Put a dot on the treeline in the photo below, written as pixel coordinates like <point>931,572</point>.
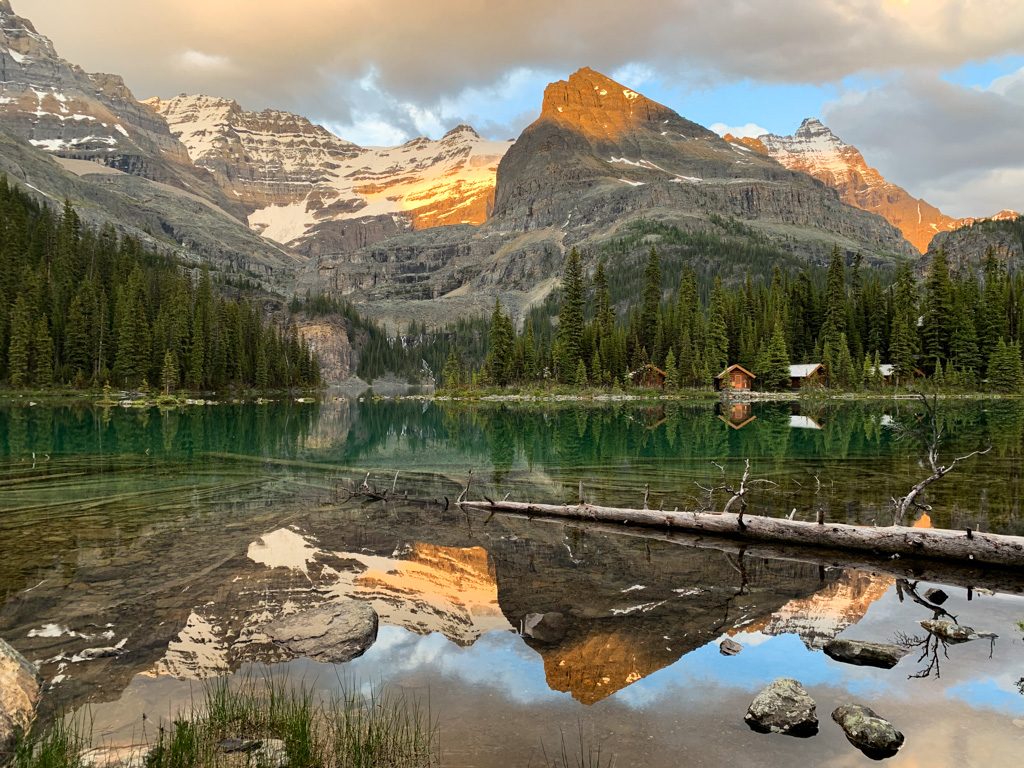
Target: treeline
<point>962,330</point>
<point>83,307</point>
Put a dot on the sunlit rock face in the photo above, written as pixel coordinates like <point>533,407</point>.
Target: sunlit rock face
<point>825,614</point>
<point>305,187</point>
<point>818,152</point>
<point>600,152</point>
<point>61,109</point>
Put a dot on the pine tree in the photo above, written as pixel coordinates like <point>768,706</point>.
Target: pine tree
<point>500,347</point>
<point>835,302</point>
<point>580,380</point>
<point>903,335</point>
<point>938,309</point>
<point>169,373</point>
<point>451,375</point>
<point>42,354</point>
<point>20,344</point>
<point>1005,372</point>
<point>651,303</point>
<point>671,371</point>
<point>775,372</point>
<point>570,319</point>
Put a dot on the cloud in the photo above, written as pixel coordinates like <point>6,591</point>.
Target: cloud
<point>203,61</point>
<point>422,53</point>
<point>957,147</point>
<point>748,130</point>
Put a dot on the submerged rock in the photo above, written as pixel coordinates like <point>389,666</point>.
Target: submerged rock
<point>545,627</point>
<point>334,633</point>
<point>864,653</point>
<point>784,706</point>
<point>20,685</point>
<point>875,736</point>
<point>936,596</point>
<point>729,647</point>
<point>953,633</point>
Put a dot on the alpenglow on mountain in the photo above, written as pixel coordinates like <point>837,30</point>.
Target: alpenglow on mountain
<point>815,150</point>
<point>304,187</point>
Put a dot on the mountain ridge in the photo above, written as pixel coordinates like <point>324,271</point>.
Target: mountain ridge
<point>816,150</point>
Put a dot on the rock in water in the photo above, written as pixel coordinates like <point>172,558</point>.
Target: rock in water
<point>545,627</point>
<point>873,735</point>
<point>784,706</point>
<point>864,653</point>
<point>20,686</point>
<point>334,633</point>
<point>936,596</point>
<point>950,632</point>
<point>729,647</point>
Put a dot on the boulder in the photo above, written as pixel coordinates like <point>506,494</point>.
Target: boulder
<point>873,735</point>
<point>729,647</point>
<point>950,632</point>
<point>936,596</point>
<point>334,632</point>
<point>545,627</point>
<point>20,686</point>
<point>784,706</point>
<point>864,653</point>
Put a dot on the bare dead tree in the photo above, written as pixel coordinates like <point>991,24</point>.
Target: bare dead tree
<point>737,494</point>
<point>932,434</point>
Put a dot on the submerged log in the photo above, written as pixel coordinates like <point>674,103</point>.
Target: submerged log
<point>966,547</point>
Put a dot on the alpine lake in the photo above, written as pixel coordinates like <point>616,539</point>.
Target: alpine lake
<point>143,550</point>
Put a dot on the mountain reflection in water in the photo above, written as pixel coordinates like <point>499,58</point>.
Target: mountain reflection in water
<point>171,539</point>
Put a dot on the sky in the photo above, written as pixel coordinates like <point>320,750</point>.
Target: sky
<point>931,91</point>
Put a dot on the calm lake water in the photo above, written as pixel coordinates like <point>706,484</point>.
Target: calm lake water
<point>171,537</point>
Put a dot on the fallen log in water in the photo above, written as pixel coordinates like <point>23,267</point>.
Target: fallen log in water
<point>963,546</point>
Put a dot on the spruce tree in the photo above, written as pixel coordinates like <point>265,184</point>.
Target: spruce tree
<point>938,309</point>
<point>42,354</point>
<point>451,375</point>
<point>651,303</point>
<point>1005,372</point>
<point>169,373</point>
<point>775,373</point>
<point>570,319</point>
<point>671,371</point>
<point>20,344</point>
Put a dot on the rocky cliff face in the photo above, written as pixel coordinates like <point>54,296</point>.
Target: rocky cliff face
<point>329,340</point>
<point>61,109</point>
<point>305,187</point>
<point>600,152</point>
<point>969,246</point>
<point>818,152</point>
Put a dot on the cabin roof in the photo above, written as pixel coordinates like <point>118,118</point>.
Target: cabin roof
<point>732,368</point>
<point>803,371</point>
<point>648,367</point>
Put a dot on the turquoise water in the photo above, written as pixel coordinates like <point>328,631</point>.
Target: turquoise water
<point>172,537</point>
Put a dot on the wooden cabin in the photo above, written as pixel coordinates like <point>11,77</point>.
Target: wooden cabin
<point>735,377</point>
<point>649,377</point>
<point>806,375</point>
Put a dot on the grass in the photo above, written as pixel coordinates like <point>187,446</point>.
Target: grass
<point>581,755</point>
<point>263,724</point>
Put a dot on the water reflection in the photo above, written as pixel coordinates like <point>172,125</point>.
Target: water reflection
<point>173,537</point>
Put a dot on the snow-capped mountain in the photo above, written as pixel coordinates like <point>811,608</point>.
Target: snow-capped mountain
<point>815,150</point>
<point>60,108</point>
<point>303,186</point>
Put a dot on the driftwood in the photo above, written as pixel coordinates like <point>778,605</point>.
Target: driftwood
<point>970,547</point>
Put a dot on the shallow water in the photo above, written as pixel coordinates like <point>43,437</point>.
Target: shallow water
<point>178,534</point>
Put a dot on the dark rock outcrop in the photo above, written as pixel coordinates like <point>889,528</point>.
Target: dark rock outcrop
<point>864,653</point>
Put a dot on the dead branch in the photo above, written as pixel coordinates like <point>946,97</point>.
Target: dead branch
<point>933,437</point>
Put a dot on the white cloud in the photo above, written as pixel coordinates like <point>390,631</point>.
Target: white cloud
<point>198,60</point>
<point>955,146</point>
<point>747,131</point>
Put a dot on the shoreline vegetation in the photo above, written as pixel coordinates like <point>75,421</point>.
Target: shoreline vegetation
<point>253,724</point>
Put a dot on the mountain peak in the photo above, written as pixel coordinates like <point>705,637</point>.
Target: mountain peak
<point>598,107</point>
<point>812,127</point>
<point>462,130</point>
